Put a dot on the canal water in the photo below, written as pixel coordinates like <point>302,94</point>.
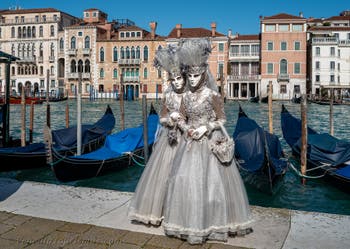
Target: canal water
<point>317,195</point>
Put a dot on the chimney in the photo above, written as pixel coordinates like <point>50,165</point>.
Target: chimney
<point>153,26</point>
<point>178,30</point>
<point>109,28</point>
<point>301,14</point>
<point>213,29</point>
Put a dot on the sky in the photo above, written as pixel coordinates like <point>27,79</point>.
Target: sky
<point>239,16</point>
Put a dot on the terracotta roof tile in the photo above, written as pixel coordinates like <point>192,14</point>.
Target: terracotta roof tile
<point>247,37</point>
<point>329,28</point>
<point>283,16</point>
<point>338,18</point>
<point>28,11</point>
<point>192,33</point>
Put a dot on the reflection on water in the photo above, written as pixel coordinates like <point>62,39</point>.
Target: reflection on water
<point>316,195</point>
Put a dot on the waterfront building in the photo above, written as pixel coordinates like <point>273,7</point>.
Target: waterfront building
<point>283,55</point>
<point>33,36</point>
<point>112,54</point>
<point>218,59</point>
<point>243,80</point>
<point>329,53</point>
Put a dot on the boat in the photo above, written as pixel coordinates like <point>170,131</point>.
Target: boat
<point>65,141</point>
<point>120,150</point>
<point>296,100</point>
<point>327,155</point>
<point>28,100</point>
<point>254,99</point>
<point>325,102</point>
<point>58,99</point>
<point>264,99</point>
<point>260,156</point>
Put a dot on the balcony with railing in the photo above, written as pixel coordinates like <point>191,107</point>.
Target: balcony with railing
<point>27,59</point>
<point>86,51</point>
<point>245,77</point>
<point>131,78</point>
<point>129,61</point>
<point>283,77</point>
<point>51,58</point>
<point>29,20</point>
<point>251,56</point>
<point>72,52</point>
<point>40,59</point>
<point>324,40</point>
<point>76,75</point>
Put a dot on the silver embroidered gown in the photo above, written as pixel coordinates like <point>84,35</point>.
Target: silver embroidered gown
<point>206,200</point>
<point>148,200</point>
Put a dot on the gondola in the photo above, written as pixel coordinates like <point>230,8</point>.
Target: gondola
<point>65,142</point>
<point>326,155</point>
<point>264,99</point>
<point>120,150</point>
<point>259,153</point>
<point>28,100</point>
<point>254,99</point>
<point>296,100</point>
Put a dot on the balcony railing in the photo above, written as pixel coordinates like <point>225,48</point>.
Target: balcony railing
<point>325,40</point>
<point>72,52</point>
<point>283,77</point>
<point>131,78</point>
<point>246,77</point>
<point>76,75</point>
<point>51,58</point>
<point>29,20</point>
<point>129,61</point>
<point>28,59</point>
<point>86,51</point>
<point>40,59</point>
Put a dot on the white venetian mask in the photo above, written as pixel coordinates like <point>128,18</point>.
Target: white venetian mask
<point>194,79</point>
<point>178,82</point>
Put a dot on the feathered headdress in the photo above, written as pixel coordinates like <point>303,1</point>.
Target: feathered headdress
<point>167,58</point>
<point>194,54</point>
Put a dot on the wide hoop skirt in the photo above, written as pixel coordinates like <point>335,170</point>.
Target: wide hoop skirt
<point>206,200</point>
<point>149,198</point>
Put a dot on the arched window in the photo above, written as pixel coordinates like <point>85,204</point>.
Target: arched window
<point>137,52</point>
<point>102,73</point>
<point>145,53</point>
<point>13,32</point>
<point>61,44</point>
<point>19,32</point>
<point>33,32</point>
<point>52,30</point>
<point>13,71</point>
<point>283,67</point>
<point>145,73</point>
<point>87,42</point>
<point>73,66</point>
<point>127,53</point>
<point>122,54</point>
<point>115,54</point>
<point>73,43</point>
<point>29,32</point>
<point>41,50</point>
<point>33,49</point>
<point>24,32</point>
<point>132,53</point>
<point>115,73</point>
<point>102,54</point>
<point>80,66</point>
<point>41,31</point>
<point>13,49</point>
<point>52,50</point>
<point>87,66</point>
<point>28,50</point>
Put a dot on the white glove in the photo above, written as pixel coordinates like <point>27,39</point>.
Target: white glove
<point>199,132</point>
<point>166,122</point>
<point>175,116</point>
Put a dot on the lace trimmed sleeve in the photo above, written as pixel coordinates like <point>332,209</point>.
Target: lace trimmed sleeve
<point>220,117</point>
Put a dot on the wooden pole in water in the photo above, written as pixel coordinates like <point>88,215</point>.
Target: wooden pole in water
<point>79,115</point>
<point>270,108</point>
<point>303,156</point>
<point>23,117</point>
<point>145,128</point>
<point>121,99</point>
<point>48,112</point>
<point>331,123</point>
<point>31,122</point>
<point>67,115</point>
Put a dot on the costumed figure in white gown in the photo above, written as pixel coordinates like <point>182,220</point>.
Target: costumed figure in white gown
<point>148,201</point>
<point>206,198</point>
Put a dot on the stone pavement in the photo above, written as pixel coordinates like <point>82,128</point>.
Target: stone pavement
<point>21,231</point>
<point>40,215</point>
